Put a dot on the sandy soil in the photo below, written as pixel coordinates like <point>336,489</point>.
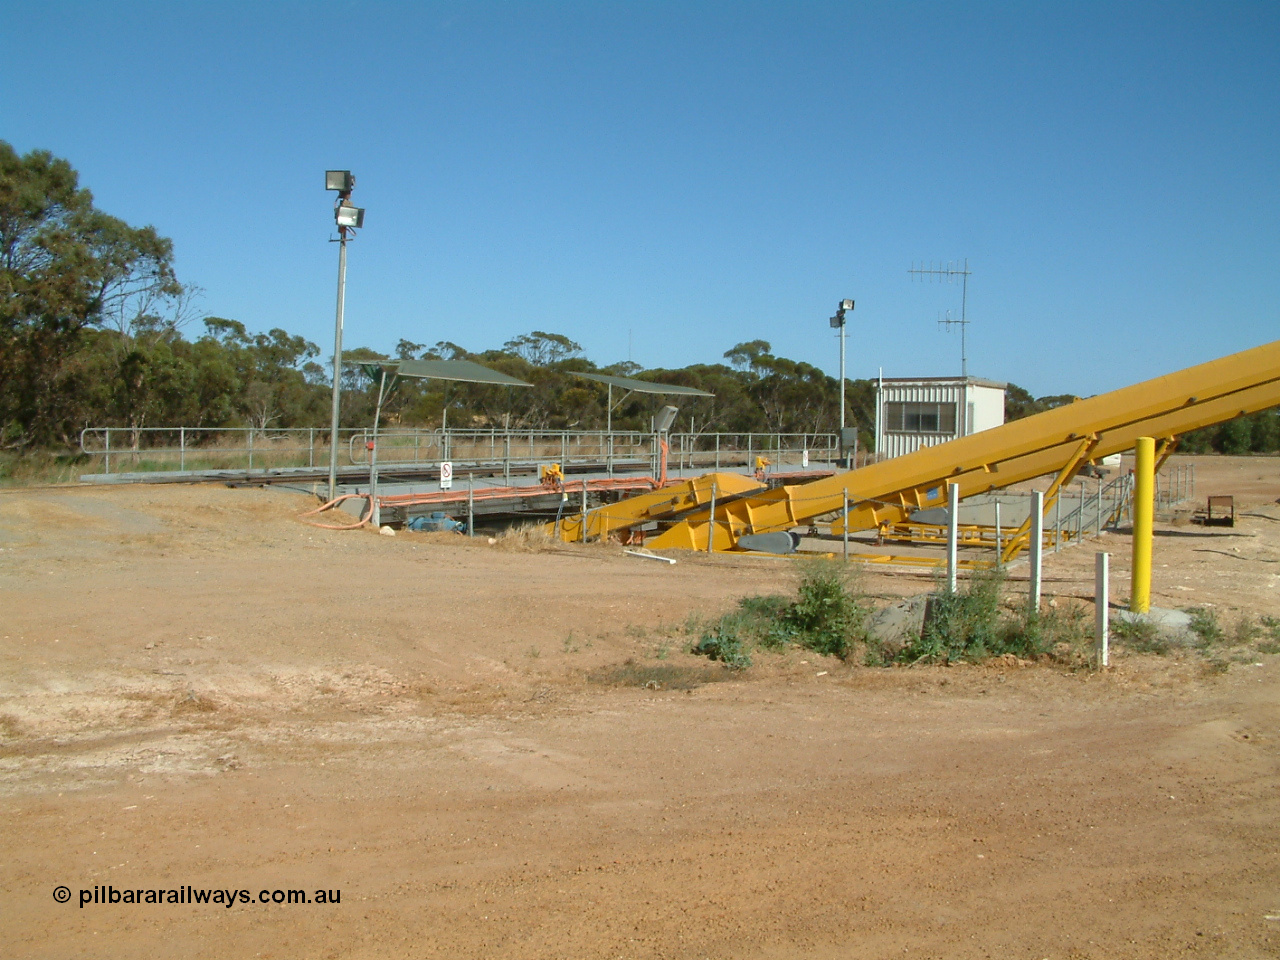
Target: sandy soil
<point>198,689</point>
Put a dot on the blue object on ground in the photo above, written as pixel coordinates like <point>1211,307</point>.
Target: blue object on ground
<point>433,522</point>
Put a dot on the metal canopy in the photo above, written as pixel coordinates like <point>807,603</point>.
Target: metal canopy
<point>642,386</point>
<point>634,386</point>
<point>459,370</point>
<point>388,373</point>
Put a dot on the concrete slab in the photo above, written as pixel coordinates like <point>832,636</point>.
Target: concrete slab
<point>1172,625</point>
<point>900,621</point>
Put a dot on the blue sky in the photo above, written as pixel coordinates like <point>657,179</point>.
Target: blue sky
<point>669,179</point>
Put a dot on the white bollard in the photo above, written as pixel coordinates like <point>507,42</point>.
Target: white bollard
<point>1037,548</point>
<point>711,524</point>
<point>953,532</point>
<point>845,498</point>
<point>1102,603</point>
<point>999,540</point>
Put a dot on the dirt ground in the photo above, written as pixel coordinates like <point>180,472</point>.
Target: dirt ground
<point>198,690</point>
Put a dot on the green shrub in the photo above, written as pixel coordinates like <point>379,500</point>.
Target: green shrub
<point>1141,636</point>
<point>721,643</point>
<point>971,625</point>
<point>1065,632</point>
<point>1204,624</point>
<point>829,615</point>
<point>1247,630</point>
<point>964,625</point>
<point>762,621</point>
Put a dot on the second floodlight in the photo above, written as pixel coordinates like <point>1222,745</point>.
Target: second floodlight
<point>349,216</point>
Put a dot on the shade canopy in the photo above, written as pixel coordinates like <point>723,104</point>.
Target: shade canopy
<point>460,370</point>
<point>643,386</point>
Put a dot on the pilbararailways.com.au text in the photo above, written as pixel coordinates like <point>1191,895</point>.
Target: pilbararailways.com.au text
<point>199,895</point>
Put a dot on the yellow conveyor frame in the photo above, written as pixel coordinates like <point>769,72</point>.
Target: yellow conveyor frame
<point>665,503</point>
<point>1056,442</point>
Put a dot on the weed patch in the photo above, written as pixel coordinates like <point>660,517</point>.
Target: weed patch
<point>40,467</point>
<point>655,676</point>
<point>829,616</point>
<point>525,538</point>
<point>1140,636</point>
<point>971,624</point>
<point>1204,624</point>
<point>1247,630</point>
<point>722,643</point>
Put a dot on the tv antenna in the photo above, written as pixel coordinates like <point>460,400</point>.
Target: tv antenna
<point>947,274</point>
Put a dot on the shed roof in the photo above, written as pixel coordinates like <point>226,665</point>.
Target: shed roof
<point>643,386</point>
<point>460,370</point>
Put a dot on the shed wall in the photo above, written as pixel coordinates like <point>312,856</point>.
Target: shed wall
<point>947,409</point>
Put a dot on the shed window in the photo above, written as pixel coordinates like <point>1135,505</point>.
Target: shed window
<point>920,417</point>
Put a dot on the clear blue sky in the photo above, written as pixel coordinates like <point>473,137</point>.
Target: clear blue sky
<point>692,175</point>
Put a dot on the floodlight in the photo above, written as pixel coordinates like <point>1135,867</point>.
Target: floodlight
<point>838,323</point>
<point>346,216</point>
<point>349,216</point>
<point>662,422</point>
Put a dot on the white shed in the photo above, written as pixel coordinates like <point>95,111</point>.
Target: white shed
<point>911,414</point>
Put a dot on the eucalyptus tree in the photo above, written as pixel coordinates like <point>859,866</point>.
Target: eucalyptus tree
<point>65,268</point>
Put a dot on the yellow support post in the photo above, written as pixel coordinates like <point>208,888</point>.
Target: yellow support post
<point>1144,474</point>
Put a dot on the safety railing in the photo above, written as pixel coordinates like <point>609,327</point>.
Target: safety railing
<point>199,449</point>
<point>1080,512</point>
<point>195,449</point>
<point>610,450</point>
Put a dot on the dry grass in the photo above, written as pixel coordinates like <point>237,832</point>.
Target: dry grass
<point>525,538</point>
<point>657,676</point>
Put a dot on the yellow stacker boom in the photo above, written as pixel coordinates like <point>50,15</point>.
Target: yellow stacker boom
<point>664,504</point>
<point>1055,443</point>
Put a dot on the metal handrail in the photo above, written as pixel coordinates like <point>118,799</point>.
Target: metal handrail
<point>306,446</point>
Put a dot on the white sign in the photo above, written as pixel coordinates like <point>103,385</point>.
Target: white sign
<point>446,475</point>
<point>804,459</point>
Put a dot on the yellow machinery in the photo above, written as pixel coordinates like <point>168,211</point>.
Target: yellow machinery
<point>664,504</point>
<point>1055,443</point>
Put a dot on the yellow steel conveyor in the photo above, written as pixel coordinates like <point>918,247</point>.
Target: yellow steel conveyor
<point>665,503</point>
<point>1057,442</point>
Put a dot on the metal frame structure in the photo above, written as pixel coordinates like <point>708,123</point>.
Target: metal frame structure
<point>632,385</point>
<point>390,372</point>
<point>301,450</point>
<point>1056,443</point>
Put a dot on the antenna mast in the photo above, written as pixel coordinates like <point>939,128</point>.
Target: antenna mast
<point>947,274</point>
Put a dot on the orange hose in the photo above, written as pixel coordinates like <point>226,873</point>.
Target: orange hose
<point>333,503</point>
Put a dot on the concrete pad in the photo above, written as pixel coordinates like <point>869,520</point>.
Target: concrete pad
<point>900,621</point>
<point>1161,616</point>
<point>1173,625</point>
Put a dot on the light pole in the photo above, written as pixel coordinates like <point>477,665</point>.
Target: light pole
<point>838,322</point>
<point>347,217</point>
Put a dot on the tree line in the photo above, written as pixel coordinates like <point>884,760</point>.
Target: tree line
<point>94,332</point>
